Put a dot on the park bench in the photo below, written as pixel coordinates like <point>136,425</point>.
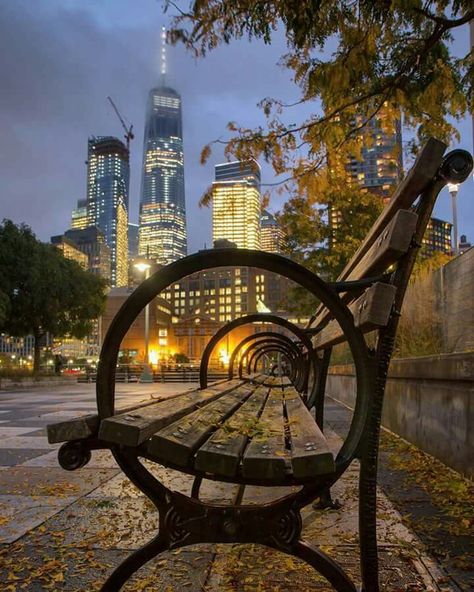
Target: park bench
<point>257,427</point>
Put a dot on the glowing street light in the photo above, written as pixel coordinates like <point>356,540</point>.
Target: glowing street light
<point>146,375</point>
<point>453,189</point>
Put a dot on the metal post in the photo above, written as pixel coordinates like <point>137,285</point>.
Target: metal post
<point>453,190</point>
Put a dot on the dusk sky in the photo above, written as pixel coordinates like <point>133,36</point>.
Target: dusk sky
<point>60,59</point>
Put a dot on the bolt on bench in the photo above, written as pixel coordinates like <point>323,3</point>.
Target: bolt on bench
<point>258,428</point>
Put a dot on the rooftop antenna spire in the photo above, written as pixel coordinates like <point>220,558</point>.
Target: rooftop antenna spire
<point>163,56</point>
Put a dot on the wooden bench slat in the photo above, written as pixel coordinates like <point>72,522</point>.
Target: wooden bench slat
<point>389,247</point>
<point>79,428</point>
<point>266,457</point>
<point>177,442</point>
<point>310,454</point>
<point>416,181</point>
<point>132,429</point>
<point>393,242</point>
<point>222,452</point>
<point>370,311</point>
<point>86,426</point>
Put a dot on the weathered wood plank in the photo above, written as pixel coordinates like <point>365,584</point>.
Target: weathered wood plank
<point>132,429</point>
<point>389,247</point>
<point>392,243</point>
<point>177,443</point>
<point>86,426</point>
<point>370,311</point>
<point>79,428</point>
<point>266,456</point>
<point>222,452</point>
<point>310,454</point>
<point>417,180</point>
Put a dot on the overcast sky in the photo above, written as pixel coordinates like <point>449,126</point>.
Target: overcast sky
<point>60,59</point>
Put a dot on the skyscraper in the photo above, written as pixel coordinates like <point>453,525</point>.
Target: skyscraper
<point>162,232</point>
<point>236,204</point>
<point>91,241</point>
<point>379,169</point>
<point>272,237</point>
<point>132,240</point>
<point>107,199</point>
<point>79,217</point>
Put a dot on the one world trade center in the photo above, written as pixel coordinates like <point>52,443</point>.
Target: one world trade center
<point>162,231</point>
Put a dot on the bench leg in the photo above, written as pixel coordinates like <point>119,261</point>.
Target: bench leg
<point>324,565</point>
<point>325,501</point>
<point>133,563</point>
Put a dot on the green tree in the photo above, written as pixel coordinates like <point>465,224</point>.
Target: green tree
<point>46,291</point>
<point>317,244</point>
<point>4,306</point>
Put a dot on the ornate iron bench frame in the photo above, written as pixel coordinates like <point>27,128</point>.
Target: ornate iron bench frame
<point>187,520</point>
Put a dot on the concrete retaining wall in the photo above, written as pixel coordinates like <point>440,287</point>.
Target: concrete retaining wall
<point>429,401</point>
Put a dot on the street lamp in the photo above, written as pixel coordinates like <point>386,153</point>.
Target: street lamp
<point>453,190</point>
<point>146,375</point>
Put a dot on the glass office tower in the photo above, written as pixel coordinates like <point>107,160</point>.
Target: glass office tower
<point>162,232</point>
<point>236,204</point>
<point>108,174</point>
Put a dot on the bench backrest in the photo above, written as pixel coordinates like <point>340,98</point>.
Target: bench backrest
<point>387,242</point>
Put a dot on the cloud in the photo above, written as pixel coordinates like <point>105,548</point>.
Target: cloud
<point>60,59</point>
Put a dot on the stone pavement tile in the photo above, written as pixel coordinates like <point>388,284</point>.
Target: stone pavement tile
<point>8,431</point>
<point>62,568</point>
<point>60,415</point>
<point>117,487</point>
<point>57,482</point>
<point>101,459</point>
<point>252,568</point>
<point>217,492</point>
<point>16,456</point>
<point>36,422</point>
<point>103,523</point>
<point>21,513</point>
<point>255,494</point>
<point>37,431</point>
<point>27,442</point>
<point>30,569</point>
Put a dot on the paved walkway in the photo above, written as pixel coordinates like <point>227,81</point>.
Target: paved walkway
<point>64,530</point>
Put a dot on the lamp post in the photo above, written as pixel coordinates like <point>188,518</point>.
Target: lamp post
<point>453,190</point>
<point>146,375</point>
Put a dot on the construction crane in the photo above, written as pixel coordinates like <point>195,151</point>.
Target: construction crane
<point>129,135</point>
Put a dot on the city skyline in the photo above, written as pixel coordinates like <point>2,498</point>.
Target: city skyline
<point>64,95</point>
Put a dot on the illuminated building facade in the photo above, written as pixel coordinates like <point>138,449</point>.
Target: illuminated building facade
<point>379,167</point>
<point>272,237</point>
<point>162,224</point>
<point>70,250</point>
<point>132,240</point>
<point>437,238</point>
<point>221,294</point>
<point>79,217</point>
<point>108,175</point>
<point>132,348</point>
<point>236,204</point>
<point>91,241</point>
